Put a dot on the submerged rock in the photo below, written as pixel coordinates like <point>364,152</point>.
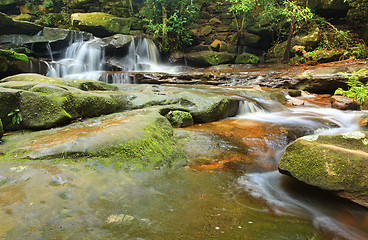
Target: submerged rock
<point>338,163</point>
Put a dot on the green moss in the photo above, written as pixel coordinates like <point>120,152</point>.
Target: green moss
<point>156,150</point>
<point>216,58</point>
<point>318,165</point>
<point>179,118</point>
<point>206,30</point>
<point>246,58</point>
<point>7,54</point>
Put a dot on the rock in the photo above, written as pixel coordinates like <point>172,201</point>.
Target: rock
<point>86,85</point>
<point>344,103</point>
<point>215,21</point>
<point>41,112</point>
<point>101,24</point>
<point>364,122</point>
<point>246,58</point>
<point>86,98</point>
<point>330,9</point>
<point>179,118</point>
<point>209,58</point>
<point>12,63</point>
<point>23,17</point>
<point>248,39</point>
<point>206,31</point>
<point>8,26</point>
<point>135,140</point>
<point>117,41</point>
<point>323,56</point>
<point>311,40</point>
<point>337,163</point>
<point>219,46</point>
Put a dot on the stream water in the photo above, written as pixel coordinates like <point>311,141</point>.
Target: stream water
<point>47,200</point>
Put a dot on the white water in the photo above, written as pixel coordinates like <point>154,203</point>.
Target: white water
<point>87,60</point>
<point>283,200</point>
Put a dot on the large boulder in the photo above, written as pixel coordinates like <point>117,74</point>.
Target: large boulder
<point>209,58</point>
<point>246,58</point>
<point>12,63</point>
<point>141,139</point>
<point>8,26</point>
<point>73,98</point>
<point>101,24</point>
<point>337,163</point>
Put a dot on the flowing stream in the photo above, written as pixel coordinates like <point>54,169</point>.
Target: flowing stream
<point>46,200</point>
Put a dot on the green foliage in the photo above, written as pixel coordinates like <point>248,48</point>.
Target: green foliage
<point>54,19</point>
<point>357,89</point>
<point>170,22</point>
<point>16,117</point>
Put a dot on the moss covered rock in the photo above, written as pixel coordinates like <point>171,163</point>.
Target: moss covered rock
<point>141,139</point>
<point>179,118</point>
<point>101,24</point>
<point>338,163</point>
<point>210,58</point>
<point>10,26</point>
<point>206,31</point>
<point>246,58</point>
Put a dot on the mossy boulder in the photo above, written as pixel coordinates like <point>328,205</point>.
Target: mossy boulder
<point>10,26</point>
<point>246,58</point>
<point>179,118</point>
<point>206,31</point>
<point>41,112</point>
<point>135,140</point>
<point>210,58</point>
<point>215,21</point>
<point>85,85</point>
<point>219,46</point>
<point>311,40</point>
<point>101,24</point>
<point>12,63</point>
<point>338,163</point>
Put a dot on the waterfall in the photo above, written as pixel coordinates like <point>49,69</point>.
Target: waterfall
<point>86,60</point>
<point>82,60</point>
<point>142,56</point>
<point>248,107</point>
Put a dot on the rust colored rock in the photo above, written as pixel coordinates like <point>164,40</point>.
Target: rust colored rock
<point>344,103</point>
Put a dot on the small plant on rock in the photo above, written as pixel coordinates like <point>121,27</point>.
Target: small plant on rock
<point>16,116</point>
<point>357,89</point>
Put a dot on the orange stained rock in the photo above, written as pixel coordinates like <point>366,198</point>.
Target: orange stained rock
<point>214,165</point>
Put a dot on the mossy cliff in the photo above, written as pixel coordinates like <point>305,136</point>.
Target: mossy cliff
<point>338,163</point>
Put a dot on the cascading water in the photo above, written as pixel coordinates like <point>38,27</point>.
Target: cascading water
<point>285,196</point>
<point>87,60</point>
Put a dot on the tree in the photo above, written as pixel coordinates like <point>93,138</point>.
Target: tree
<point>169,21</point>
<point>274,12</point>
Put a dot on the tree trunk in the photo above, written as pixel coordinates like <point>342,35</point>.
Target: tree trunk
<point>165,40</point>
<point>131,8</point>
<point>286,57</point>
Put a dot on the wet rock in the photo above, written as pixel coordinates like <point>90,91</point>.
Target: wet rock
<point>337,163</point>
<point>86,85</point>
<point>364,122</point>
<point>10,26</point>
<point>344,103</point>
<point>179,118</point>
<point>101,24</point>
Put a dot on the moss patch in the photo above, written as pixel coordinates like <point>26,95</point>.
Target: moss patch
<point>179,118</point>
